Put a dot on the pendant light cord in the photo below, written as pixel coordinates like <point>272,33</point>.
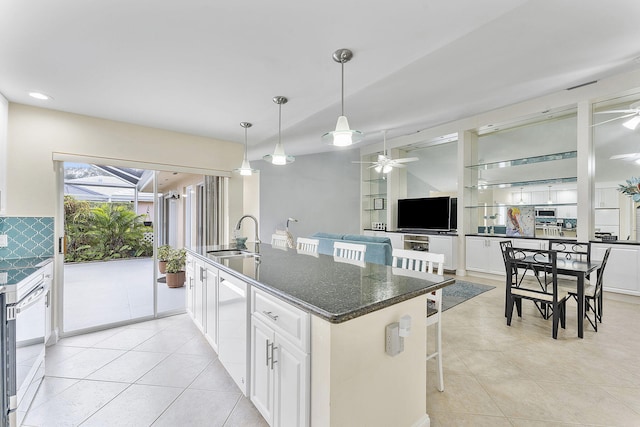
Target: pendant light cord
<point>280,123</point>
<point>342,88</point>
<point>245,144</point>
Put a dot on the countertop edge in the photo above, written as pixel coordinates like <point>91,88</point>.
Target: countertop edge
<point>323,314</point>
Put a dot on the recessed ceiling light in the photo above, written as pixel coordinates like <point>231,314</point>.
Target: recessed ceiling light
<point>40,95</point>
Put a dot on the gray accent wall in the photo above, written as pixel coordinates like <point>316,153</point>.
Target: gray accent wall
<point>321,191</point>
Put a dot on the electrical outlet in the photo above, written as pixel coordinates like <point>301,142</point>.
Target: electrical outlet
<point>4,277</point>
<point>4,242</point>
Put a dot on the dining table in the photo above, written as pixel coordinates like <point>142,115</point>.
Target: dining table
<point>581,270</point>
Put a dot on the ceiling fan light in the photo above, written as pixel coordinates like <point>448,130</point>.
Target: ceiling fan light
<point>386,168</point>
<point>378,168</point>
<point>632,123</point>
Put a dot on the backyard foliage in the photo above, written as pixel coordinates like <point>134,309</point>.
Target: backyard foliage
<point>103,231</point>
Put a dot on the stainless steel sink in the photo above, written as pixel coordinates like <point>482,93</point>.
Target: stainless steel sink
<point>226,253</point>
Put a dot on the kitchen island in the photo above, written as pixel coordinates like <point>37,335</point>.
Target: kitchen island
<point>315,329</point>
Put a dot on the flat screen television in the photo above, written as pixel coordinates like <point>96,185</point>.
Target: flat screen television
<point>430,213</point>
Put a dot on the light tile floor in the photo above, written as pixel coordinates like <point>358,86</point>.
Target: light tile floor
<point>496,375</point>
<point>163,373</point>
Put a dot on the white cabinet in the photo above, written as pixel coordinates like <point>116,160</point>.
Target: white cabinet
<point>446,245</point>
<point>4,118</point>
<point>622,272</point>
<point>211,306</point>
<point>440,244</point>
<point>190,279</point>
<point>606,198</point>
<point>279,361</point>
<point>567,212</point>
<point>233,327</point>
<point>198,295</point>
<point>484,255</point>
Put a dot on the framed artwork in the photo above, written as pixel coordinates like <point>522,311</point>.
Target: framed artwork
<point>521,221</point>
<point>378,204</point>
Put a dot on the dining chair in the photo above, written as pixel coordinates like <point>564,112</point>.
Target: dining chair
<point>551,230</point>
<point>304,244</point>
<point>352,251</point>
<point>511,274</point>
<point>593,295</point>
<point>427,262</point>
<point>537,281</point>
<point>279,241</point>
<point>580,251</point>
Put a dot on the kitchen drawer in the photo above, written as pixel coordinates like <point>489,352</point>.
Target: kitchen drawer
<point>292,322</point>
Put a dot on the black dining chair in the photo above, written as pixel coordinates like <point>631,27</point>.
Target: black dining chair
<point>593,295</point>
<point>537,281</point>
<point>512,274</point>
<point>580,251</point>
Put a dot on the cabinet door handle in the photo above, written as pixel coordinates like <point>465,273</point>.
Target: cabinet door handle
<point>273,356</point>
<point>270,315</point>
<point>267,351</point>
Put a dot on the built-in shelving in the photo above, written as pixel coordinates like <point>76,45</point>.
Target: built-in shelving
<point>526,160</point>
<point>538,182</point>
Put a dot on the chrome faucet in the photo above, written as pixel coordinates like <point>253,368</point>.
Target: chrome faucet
<point>256,222</point>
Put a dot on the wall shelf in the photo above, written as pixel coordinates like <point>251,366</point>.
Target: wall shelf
<point>537,182</point>
<point>526,160</point>
<point>537,205</point>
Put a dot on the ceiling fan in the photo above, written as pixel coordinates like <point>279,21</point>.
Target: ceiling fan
<point>633,111</point>
<point>385,163</point>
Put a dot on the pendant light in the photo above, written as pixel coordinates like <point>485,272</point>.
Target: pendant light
<point>549,201</point>
<point>521,201</point>
<point>279,157</point>
<point>245,169</point>
<point>342,136</point>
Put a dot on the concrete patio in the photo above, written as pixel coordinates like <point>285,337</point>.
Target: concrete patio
<point>99,293</point>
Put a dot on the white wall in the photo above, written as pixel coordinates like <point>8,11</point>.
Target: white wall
<point>321,191</point>
<point>35,134</point>
<point>4,112</point>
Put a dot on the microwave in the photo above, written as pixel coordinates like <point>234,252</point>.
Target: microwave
<point>545,213</point>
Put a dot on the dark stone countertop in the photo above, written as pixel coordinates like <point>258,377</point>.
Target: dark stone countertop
<point>332,290</point>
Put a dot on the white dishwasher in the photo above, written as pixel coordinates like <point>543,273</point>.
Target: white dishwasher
<point>233,327</point>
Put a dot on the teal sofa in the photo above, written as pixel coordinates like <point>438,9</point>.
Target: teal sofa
<point>378,248</point>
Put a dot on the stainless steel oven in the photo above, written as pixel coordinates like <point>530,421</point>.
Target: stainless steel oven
<point>23,336</point>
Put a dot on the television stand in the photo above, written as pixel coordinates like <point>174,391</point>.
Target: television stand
<point>440,243</point>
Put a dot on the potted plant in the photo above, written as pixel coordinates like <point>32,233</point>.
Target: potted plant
<point>175,268</point>
<point>164,252</point>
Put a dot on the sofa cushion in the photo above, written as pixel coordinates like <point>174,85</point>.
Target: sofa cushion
<point>378,248</point>
<point>362,238</point>
<point>322,235</point>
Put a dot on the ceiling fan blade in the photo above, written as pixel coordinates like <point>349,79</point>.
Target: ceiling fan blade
<point>363,162</point>
<point>398,165</point>
<point>617,118</point>
<point>406,160</point>
<point>625,156</point>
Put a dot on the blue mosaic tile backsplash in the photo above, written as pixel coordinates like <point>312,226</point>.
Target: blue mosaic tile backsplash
<point>28,237</point>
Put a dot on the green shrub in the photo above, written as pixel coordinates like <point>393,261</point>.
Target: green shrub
<point>104,232</point>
